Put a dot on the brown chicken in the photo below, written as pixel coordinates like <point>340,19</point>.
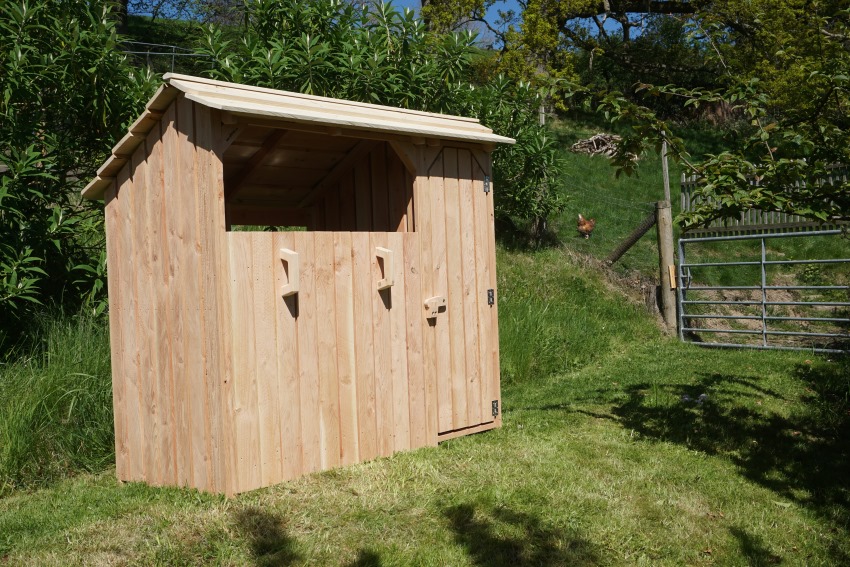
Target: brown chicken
<point>585,226</point>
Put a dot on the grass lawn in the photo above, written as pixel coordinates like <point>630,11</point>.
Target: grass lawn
<point>606,457</point>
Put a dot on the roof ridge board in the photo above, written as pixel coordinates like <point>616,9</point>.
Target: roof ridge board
<point>383,125</point>
<point>316,110</point>
<point>169,77</point>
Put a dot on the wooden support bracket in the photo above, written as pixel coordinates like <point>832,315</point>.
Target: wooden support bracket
<point>291,269</point>
<point>433,305</point>
<point>389,268</point>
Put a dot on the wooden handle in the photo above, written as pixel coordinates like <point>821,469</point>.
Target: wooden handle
<point>291,269</point>
<point>433,304</point>
<point>389,268</point>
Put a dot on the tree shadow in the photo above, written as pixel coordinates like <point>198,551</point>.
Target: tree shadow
<point>270,545</point>
<point>754,549</point>
<point>803,457</point>
<point>503,537</point>
<point>366,558</point>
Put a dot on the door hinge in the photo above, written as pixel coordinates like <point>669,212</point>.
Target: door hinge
<point>491,297</point>
<point>495,408</point>
<point>486,183</point>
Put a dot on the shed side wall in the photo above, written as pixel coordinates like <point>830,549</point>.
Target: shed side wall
<point>164,229</point>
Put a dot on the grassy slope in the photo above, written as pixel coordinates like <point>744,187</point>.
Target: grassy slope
<point>599,462</point>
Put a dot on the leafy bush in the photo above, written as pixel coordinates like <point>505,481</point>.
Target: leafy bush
<point>67,95</point>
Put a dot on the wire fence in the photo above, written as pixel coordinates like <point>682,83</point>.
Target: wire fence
<point>161,57</point>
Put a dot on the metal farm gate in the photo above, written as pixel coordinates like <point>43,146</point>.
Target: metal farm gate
<point>765,308</point>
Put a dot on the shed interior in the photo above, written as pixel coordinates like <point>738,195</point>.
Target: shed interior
<point>279,177</point>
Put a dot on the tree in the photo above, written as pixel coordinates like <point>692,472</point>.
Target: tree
<point>375,53</point>
<point>67,95</point>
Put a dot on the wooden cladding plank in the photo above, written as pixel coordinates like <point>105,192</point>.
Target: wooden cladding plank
<point>134,435</point>
<point>191,384</point>
<point>397,191</point>
<point>363,196</point>
<point>486,268</point>
<point>144,317</point>
<point>414,318</point>
<point>471,293</point>
<point>399,371</point>
<point>347,204</point>
<point>456,299</point>
<point>363,291</point>
<point>424,226</point>
<point>245,403</point>
<point>379,189</point>
<point>289,387</point>
<point>345,349</point>
<point>308,354</point>
<point>329,410</point>
<point>264,261</point>
<point>440,287</point>
<point>381,331</point>
<point>214,274</point>
<point>114,253</point>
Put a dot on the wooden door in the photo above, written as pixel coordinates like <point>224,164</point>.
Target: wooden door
<point>463,341</point>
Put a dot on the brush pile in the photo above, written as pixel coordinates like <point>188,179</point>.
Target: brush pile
<point>599,144</point>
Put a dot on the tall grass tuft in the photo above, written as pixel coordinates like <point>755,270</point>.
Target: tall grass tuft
<point>56,406</point>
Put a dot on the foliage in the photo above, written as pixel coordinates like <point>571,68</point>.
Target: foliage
<point>56,405</point>
<point>377,54</point>
<point>66,97</point>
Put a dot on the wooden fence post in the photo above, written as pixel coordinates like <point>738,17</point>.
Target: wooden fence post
<point>667,266</point>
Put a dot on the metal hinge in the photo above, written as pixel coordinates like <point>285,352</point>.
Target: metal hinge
<point>491,297</point>
<point>495,408</point>
<point>486,183</point>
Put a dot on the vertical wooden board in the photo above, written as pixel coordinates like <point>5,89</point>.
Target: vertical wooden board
<point>381,333</point>
<point>440,287</point>
<point>332,210</point>
<point>364,287</point>
<point>486,269</point>
<point>409,180</point>
<point>363,196</point>
<point>346,361</point>
<point>380,195</point>
<point>245,403</point>
<point>157,388</point>
<point>424,226</point>
<point>263,260</point>
<point>214,272</point>
<point>398,341</point>
<point>145,334</point>
<point>114,252</point>
<point>329,410</point>
<point>174,238</point>
<point>456,300</point>
<point>347,205</point>
<point>192,382</point>
<point>472,295</point>
<point>286,310</point>
<point>414,317</point>
<point>308,354</point>
<point>129,338</point>
<point>397,192</point>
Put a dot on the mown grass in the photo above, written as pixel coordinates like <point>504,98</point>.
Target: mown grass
<point>601,461</point>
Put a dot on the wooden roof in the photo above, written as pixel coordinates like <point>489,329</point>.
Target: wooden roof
<point>264,110</point>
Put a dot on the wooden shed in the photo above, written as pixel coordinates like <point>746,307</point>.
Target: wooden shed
<point>243,357</point>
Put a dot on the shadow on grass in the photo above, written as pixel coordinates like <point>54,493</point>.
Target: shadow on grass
<point>270,545</point>
<point>754,549</point>
<point>366,558</point>
<point>803,456</point>
<point>503,537</point>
